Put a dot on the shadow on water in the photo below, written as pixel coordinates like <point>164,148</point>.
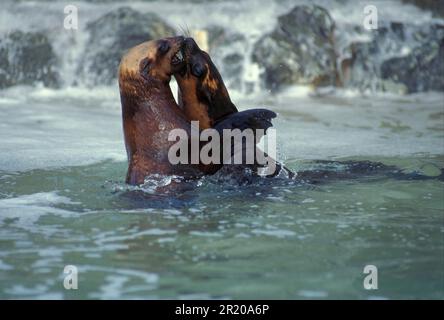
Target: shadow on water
<point>325,171</point>
<point>243,185</point>
<point>100,186</point>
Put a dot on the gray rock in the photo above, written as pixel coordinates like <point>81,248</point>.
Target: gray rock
<point>421,70</point>
<point>27,58</point>
<point>113,34</point>
<point>435,6</point>
<point>399,58</point>
<point>227,52</point>
<point>299,51</point>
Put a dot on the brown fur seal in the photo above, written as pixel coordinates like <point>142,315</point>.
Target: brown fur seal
<point>204,98</point>
<point>202,92</point>
<point>149,110</point>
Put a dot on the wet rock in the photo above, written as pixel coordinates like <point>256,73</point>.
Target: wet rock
<point>435,6</point>
<point>397,58</point>
<point>421,70</point>
<point>27,58</point>
<point>299,51</point>
<point>113,34</point>
<point>227,52</point>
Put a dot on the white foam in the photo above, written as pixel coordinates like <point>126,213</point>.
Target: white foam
<point>56,128</point>
<point>278,233</point>
<point>116,281</point>
<point>5,267</point>
<point>24,211</point>
<point>311,294</point>
<point>149,232</point>
<point>205,234</point>
<point>251,18</point>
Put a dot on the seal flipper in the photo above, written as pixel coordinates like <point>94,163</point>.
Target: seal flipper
<point>255,119</point>
<point>249,119</point>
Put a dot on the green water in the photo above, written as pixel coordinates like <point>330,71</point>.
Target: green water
<point>63,202</point>
<point>283,240</point>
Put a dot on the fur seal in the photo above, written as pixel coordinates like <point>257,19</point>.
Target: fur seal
<point>203,97</point>
<point>149,110</point>
<point>202,92</point>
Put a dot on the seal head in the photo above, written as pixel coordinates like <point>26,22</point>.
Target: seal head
<point>149,110</point>
<point>202,92</point>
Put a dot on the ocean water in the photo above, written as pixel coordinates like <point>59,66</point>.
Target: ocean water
<point>63,202</point>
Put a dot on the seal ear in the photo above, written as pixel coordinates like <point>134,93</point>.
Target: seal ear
<point>144,68</point>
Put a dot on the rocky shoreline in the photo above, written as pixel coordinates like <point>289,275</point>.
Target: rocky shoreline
<point>304,48</point>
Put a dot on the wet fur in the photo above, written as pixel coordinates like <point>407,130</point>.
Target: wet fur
<point>149,112</point>
<point>204,98</point>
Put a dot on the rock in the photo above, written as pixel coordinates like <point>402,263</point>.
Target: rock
<point>300,50</point>
<point>398,58</point>
<point>421,70</point>
<point>227,52</point>
<point>27,58</point>
<point>435,6</point>
<point>113,34</point>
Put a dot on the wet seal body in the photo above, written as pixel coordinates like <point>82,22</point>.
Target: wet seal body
<point>204,98</point>
<point>149,110</point>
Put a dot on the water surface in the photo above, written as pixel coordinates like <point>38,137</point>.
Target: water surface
<point>63,202</point>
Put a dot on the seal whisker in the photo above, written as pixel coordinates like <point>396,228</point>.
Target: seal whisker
<point>185,30</point>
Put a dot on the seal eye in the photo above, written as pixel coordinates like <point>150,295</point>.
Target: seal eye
<point>198,69</point>
<point>164,46</point>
